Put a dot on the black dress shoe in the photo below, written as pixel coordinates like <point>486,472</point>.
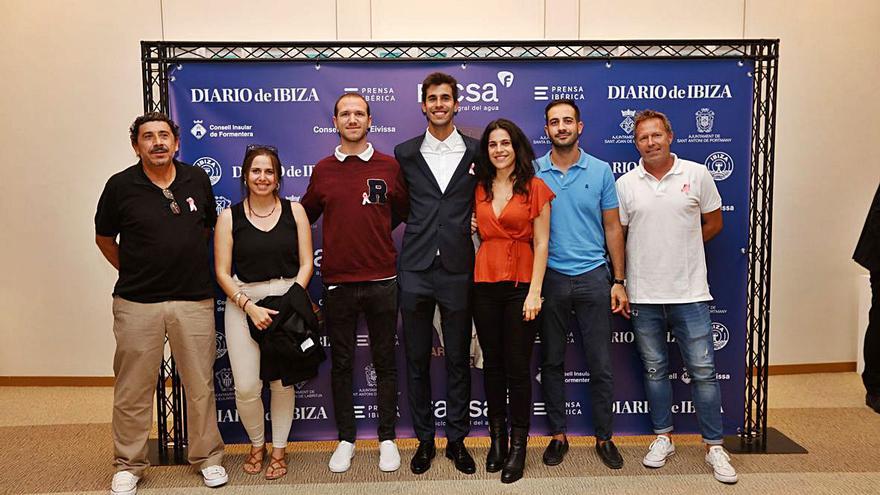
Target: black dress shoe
<point>555,452</point>
<point>421,460</point>
<point>609,454</point>
<point>459,454</point>
<point>873,401</point>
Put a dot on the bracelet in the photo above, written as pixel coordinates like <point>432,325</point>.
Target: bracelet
<point>235,297</point>
<point>245,304</point>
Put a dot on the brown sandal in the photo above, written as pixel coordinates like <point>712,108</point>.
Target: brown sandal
<point>254,463</point>
<point>277,467</point>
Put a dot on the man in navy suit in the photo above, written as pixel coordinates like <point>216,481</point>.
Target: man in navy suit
<point>867,254</point>
<point>436,268</point>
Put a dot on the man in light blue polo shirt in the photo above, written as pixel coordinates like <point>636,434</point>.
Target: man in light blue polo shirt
<point>583,221</point>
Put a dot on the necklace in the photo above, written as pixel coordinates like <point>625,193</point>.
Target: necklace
<point>253,213</point>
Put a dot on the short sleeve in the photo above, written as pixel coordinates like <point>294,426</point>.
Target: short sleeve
<point>107,214</point>
<point>609,192</point>
<point>710,199</point>
<point>621,195</point>
<point>540,195</point>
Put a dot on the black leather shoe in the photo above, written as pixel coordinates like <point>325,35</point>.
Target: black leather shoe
<point>873,401</point>
<point>498,448</point>
<point>421,460</point>
<point>555,452</point>
<point>461,457</point>
<point>516,458</point>
<point>609,454</point>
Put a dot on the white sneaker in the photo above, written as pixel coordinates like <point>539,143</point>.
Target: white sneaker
<point>661,448</point>
<point>720,462</point>
<point>340,461</point>
<point>389,457</point>
<point>124,483</point>
<point>215,476</point>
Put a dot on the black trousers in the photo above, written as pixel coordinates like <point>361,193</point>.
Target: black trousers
<point>342,305</point>
<point>507,341</point>
<point>420,293</point>
<point>871,375</point>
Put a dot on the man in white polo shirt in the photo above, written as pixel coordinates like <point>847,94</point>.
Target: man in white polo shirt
<point>669,208</point>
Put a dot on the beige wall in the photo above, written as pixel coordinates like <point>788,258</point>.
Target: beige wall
<point>71,86</point>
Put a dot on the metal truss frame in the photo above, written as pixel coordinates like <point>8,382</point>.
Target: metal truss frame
<point>158,58</point>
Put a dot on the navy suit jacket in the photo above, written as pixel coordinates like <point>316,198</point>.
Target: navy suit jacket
<point>437,219</point>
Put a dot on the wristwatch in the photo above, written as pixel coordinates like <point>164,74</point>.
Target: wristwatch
<point>621,281</point>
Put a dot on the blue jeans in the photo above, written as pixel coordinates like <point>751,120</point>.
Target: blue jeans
<point>692,328</point>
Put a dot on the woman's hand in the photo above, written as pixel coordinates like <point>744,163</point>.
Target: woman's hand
<point>532,306</point>
<point>262,317</point>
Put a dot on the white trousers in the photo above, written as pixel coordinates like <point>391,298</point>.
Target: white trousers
<point>244,357</point>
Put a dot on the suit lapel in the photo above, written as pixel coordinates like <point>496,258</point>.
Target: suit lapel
<point>464,166</point>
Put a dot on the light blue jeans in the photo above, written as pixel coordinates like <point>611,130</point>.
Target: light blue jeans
<point>692,328</point>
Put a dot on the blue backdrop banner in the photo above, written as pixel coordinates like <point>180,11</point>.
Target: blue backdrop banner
<point>223,107</point>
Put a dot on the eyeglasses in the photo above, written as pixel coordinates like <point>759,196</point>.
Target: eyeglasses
<point>175,208</point>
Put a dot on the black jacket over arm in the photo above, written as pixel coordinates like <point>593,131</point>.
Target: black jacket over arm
<point>295,327</point>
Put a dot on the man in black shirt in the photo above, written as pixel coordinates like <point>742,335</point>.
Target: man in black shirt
<point>162,212</point>
<point>867,254</point>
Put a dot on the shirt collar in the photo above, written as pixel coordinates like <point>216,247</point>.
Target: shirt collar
<point>454,141</point>
<point>363,155</point>
<point>545,163</point>
<point>179,176</point>
<point>676,167</point>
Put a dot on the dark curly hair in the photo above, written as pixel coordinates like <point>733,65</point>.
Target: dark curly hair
<point>523,170</point>
<point>151,117</point>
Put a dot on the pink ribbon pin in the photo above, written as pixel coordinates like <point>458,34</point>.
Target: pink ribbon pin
<point>192,204</point>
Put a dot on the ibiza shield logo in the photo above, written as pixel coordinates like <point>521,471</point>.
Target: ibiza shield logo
<point>720,165</point>
<point>198,130</point>
<point>705,120</point>
<point>370,375</point>
<point>211,167</point>
<point>221,203</point>
<point>720,336</point>
<point>629,122</point>
<point>223,379</point>
<point>685,376</point>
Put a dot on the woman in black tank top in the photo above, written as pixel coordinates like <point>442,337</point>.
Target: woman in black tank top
<point>266,242</point>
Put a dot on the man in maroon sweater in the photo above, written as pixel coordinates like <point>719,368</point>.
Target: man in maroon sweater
<point>362,196</point>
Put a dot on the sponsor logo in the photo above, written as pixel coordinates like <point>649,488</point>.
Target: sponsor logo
<point>705,120</point>
<point>674,92</point>
<point>286,171</point>
<point>720,336</point>
<point>248,95</point>
<point>471,93</point>
<point>293,197</point>
<point>370,375</point>
<point>309,412</point>
<point>198,130</point>
<point>623,337</point>
<point>558,92</point>
<point>221,346</point>
<point>539,409</point>
<point>373,93</point>
<point>227,416</point>
<point>574,376</point>
<point>375,129</point>
<point>221,203</point>
<point>620,168</point>
<point>363,340</point>
<point>223,379</point>
<point>538,376</point>
<point>685,376</point>
<point>720,165</point>
<point>505,78</point>
<point>325,340</point>
<point>438,351</point>
<point>630,407</point>
<point>211,167</point>
<point>629,120</point>
<point>573,409</point>
<point>360,411</point>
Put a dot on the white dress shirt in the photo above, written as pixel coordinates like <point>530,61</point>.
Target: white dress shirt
<point>443,156</point>
<point>363,155</point>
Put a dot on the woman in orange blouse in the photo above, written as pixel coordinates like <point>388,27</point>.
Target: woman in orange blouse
<point>513,217</point>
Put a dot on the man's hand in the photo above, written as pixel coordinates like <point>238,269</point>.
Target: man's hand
<point>619,301</point>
